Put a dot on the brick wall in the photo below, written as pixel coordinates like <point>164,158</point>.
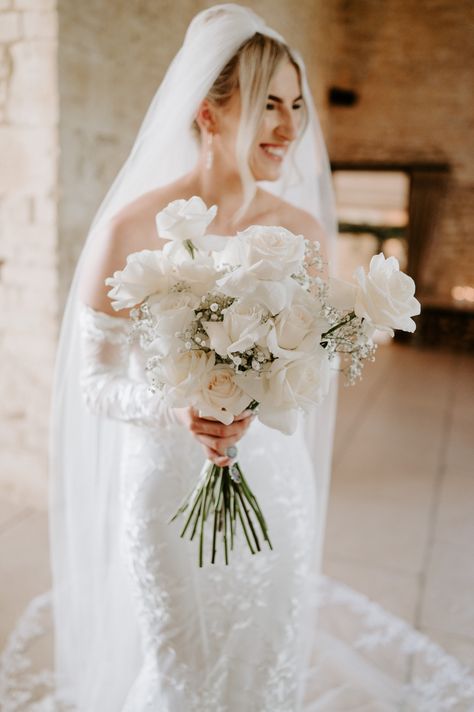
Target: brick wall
<point>28,240</point>
<point>410,62</point>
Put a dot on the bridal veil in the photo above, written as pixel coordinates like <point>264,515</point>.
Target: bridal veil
<point>96,638</point>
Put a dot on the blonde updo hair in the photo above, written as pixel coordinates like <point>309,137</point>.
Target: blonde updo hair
<point>250,71</point>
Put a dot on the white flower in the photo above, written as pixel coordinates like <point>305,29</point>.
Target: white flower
<point>184,223</point>
<point>270,253</point>
<point>221,397</point>
<point>273,295</point>
<point>146,272</point>
<point>385,297</point>
<point>296,331</point>
<point>287,387</point>
<point>185,219</point>
<point>228,255</point>
<point>199,275</point>
<point>266,259</point>
<point>243,326</point>
<point>174,313</point>
<point>182,376</point>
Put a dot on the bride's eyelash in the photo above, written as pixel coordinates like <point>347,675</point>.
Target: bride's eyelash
<point>272,106</point>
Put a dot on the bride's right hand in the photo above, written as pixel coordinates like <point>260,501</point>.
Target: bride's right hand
<point>214,436</point>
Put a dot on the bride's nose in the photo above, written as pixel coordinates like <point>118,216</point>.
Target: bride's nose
<point>288,126</point>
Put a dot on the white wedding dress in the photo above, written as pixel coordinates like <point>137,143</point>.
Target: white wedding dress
<point>139,627</point>
<point>264,634</point>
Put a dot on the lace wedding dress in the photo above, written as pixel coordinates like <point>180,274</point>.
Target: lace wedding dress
<point>264,634</point>
<point>138,627</point>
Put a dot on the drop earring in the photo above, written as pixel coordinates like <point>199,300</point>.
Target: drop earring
<point>210,151</point>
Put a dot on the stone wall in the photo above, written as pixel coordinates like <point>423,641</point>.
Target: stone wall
<point>410,63</point>
<point>96,66</point>
<point>28,240</point>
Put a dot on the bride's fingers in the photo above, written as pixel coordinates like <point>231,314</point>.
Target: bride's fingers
<point>244,415</point>
<point>219,445</point>
<point>216,458</point>
<point>216,429</point>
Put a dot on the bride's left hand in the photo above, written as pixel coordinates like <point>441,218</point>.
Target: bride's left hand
<point>214,436</point>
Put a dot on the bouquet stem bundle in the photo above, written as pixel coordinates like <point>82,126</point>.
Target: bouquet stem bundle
<point>223,496</point>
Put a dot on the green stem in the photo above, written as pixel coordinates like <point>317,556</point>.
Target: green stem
<point>244,528</point>
<point>249,519</point>
<point>198,499</point>
<point>349,317</point>
<point>252,500</point>
<point>203,520</point>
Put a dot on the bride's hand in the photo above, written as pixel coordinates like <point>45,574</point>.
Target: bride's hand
<point>214,436</point>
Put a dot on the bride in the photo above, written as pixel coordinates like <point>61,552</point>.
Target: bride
<point>137,625</point>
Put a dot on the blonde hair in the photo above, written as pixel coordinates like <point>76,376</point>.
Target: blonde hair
<point>250,71</point>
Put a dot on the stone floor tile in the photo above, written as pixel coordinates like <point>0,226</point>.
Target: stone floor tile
<point>447,601</point>
<point>378,532</point>
<point>395,591</point>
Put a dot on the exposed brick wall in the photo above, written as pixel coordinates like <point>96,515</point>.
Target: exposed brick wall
<point>28,240</point>
<point>411,62</point>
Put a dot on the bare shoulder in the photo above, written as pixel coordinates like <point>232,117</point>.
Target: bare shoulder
<point>303,223</point>
<point>132,229</point>
<point>297,220</point>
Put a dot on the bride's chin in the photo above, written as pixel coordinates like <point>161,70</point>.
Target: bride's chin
<point>260,174</point>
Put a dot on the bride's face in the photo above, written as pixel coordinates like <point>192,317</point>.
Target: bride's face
<point>280,126</point>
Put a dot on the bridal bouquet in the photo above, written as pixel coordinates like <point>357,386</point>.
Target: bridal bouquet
<point>249,323</point>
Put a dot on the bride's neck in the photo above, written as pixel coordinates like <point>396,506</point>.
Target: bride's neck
<point>219,186</point>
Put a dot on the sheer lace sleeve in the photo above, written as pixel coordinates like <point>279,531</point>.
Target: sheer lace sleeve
<point>106,386</point>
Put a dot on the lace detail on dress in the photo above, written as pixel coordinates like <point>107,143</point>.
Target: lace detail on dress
<point>108,384</point>
<point>103,327</point>
<point>437,681</point>
<point>21,687</point>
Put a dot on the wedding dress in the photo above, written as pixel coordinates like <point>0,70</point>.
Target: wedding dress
<point>138,625</point>
<point>264,634</point>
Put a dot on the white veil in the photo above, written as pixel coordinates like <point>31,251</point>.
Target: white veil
<point>96,648</point>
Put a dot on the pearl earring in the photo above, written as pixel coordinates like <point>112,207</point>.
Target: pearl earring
<point>210,151</point>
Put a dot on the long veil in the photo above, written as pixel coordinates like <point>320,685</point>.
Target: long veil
<point>97,649</point>
<point>92,610</point>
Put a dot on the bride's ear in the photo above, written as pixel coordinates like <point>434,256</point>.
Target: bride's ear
<point>206,117</point>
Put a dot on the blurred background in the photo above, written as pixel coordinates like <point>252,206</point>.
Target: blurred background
<point>392,82</point>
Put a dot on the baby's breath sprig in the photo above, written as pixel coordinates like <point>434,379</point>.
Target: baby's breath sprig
<point>347,336</point>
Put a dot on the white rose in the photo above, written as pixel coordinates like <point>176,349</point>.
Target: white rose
<point>385,296</point>
<point>146,272</point>
<point>244,325</point>
<point>182,376</point>
<point>287,387</point>
<point>174,313</point>
<point>185,219</point>
<point>221,397</point>
<point>199,275</point>
<point>273,295</point>
<point>229,255</point>
<point>296,331</point>
<point>270,253</point>
<point>266,259</point>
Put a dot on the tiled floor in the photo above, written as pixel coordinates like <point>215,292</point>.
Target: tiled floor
<point>401,513</point>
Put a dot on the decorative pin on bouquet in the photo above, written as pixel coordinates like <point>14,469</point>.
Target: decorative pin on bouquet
<point>249,323</point>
